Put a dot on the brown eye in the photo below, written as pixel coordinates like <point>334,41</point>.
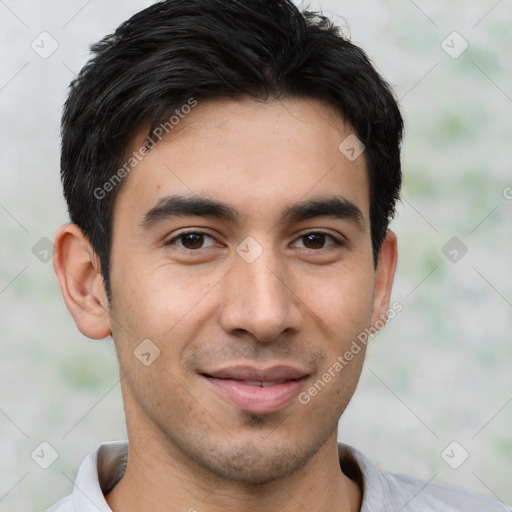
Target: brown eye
<point>193,240</point>
<point>314,240</point>
<point>317,239</point>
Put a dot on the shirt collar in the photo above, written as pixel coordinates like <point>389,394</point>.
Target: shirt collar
<point>98,474</point>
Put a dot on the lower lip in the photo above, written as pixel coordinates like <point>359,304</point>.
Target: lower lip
<point>257,399</point>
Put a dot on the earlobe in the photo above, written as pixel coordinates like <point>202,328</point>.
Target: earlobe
<point>384,278</point>
<point>78,271</point>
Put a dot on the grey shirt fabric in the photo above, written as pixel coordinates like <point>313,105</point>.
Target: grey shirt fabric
<point>382,492</point>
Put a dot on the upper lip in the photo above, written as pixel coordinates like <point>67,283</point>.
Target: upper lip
<point>250,373</point>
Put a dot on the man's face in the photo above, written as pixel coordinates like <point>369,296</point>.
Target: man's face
<point>295,294</point>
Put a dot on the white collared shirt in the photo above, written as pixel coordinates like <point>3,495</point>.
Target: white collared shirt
<point>383,492</point>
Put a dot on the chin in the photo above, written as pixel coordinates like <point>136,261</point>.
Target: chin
<point>253,465</point>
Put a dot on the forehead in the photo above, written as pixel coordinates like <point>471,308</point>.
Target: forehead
<point>255,156</point>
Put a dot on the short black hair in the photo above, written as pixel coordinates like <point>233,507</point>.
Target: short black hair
<point>175,50</point>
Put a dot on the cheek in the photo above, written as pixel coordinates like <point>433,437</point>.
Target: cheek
<point>156,303</point>
<point>343,301</point>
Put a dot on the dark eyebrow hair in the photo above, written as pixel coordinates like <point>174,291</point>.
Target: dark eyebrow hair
<point>338,207</point>
<point>182,206</point>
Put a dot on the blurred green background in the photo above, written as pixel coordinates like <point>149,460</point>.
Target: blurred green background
<point>439,372</point>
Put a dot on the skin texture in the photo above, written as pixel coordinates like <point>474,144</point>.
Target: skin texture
<point>299,303</point>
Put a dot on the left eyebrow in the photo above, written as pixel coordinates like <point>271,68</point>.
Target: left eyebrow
<point>338,207</point>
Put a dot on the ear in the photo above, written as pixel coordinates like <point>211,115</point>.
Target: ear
<point>384,277</point>
<point>78,271</point>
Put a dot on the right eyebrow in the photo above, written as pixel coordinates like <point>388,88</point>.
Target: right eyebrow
<point>183,206</point>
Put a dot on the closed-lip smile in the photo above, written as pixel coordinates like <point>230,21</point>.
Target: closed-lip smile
<point>257,390</point>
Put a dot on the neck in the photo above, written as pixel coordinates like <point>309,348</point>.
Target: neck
<point>160,480</point>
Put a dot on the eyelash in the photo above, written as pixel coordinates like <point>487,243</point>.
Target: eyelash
<point>195,232</point>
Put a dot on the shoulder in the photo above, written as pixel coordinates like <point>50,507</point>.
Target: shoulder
<point>421,495</point>
<point>64,505</point>
<point>389,492</point>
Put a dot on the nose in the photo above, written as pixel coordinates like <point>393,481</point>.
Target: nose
<point>259,299</point>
